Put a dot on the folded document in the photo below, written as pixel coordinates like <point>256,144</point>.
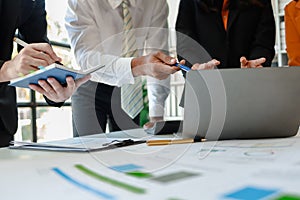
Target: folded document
<point>75,148</point>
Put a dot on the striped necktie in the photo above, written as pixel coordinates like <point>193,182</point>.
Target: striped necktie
<point>131,94</point>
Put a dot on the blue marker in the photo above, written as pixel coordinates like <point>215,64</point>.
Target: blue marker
<point>183,67</point>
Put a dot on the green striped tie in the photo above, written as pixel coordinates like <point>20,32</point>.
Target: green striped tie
<point>131,94</point>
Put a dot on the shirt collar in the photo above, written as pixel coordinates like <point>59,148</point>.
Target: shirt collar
<point>116,3</point>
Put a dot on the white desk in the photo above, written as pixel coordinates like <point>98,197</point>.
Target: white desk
<point>208,170</point>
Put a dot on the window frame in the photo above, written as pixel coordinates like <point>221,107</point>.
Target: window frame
<point>33,104</point>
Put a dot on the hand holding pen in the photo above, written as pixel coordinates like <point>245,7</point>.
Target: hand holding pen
<point>208,65</point>
<point>28,60</point>
<point>42,52</point>
<point>182,66</point>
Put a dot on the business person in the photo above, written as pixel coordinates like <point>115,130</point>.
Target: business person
<point>96,29</point>
<point>29,18</point>
<point>235,33</point>
<point>292,29</point>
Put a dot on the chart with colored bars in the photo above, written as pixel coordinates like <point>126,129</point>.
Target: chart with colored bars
<point>224,170</point>
<point>139,191</point>
<point>130,170</point>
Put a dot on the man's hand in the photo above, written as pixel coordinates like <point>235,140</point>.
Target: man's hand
<point>152,122</point>
<point>28,60</point>
<point>54,91</point>
<point>209,65</point>
<point>157,65</point>
<point>257,63</point>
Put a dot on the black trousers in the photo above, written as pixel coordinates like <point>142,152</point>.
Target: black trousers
<point>5,136</point>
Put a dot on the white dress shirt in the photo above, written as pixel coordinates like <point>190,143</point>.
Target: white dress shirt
<point>95,31</point>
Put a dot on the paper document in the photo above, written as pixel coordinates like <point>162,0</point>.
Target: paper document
<point>101,145</point>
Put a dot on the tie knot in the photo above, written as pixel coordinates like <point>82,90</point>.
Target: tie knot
<point>125,3</point>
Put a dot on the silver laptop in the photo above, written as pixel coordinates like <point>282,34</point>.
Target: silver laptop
<point>242,103</point>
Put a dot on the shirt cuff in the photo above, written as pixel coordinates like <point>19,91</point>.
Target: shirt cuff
<point>124,74</point>
<point>52,103</point>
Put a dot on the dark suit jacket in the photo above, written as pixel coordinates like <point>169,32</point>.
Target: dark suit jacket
<point>250,33</point>
<point>29,17</point>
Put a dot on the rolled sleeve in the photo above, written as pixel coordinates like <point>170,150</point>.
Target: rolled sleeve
<point>116,73</point>
<point>158,91</point>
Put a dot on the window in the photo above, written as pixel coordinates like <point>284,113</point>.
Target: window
<point>37,121</point>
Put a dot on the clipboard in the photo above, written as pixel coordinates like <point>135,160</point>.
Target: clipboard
<point>60,148</point>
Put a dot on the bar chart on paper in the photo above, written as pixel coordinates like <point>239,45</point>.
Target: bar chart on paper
<point>228,170</point>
